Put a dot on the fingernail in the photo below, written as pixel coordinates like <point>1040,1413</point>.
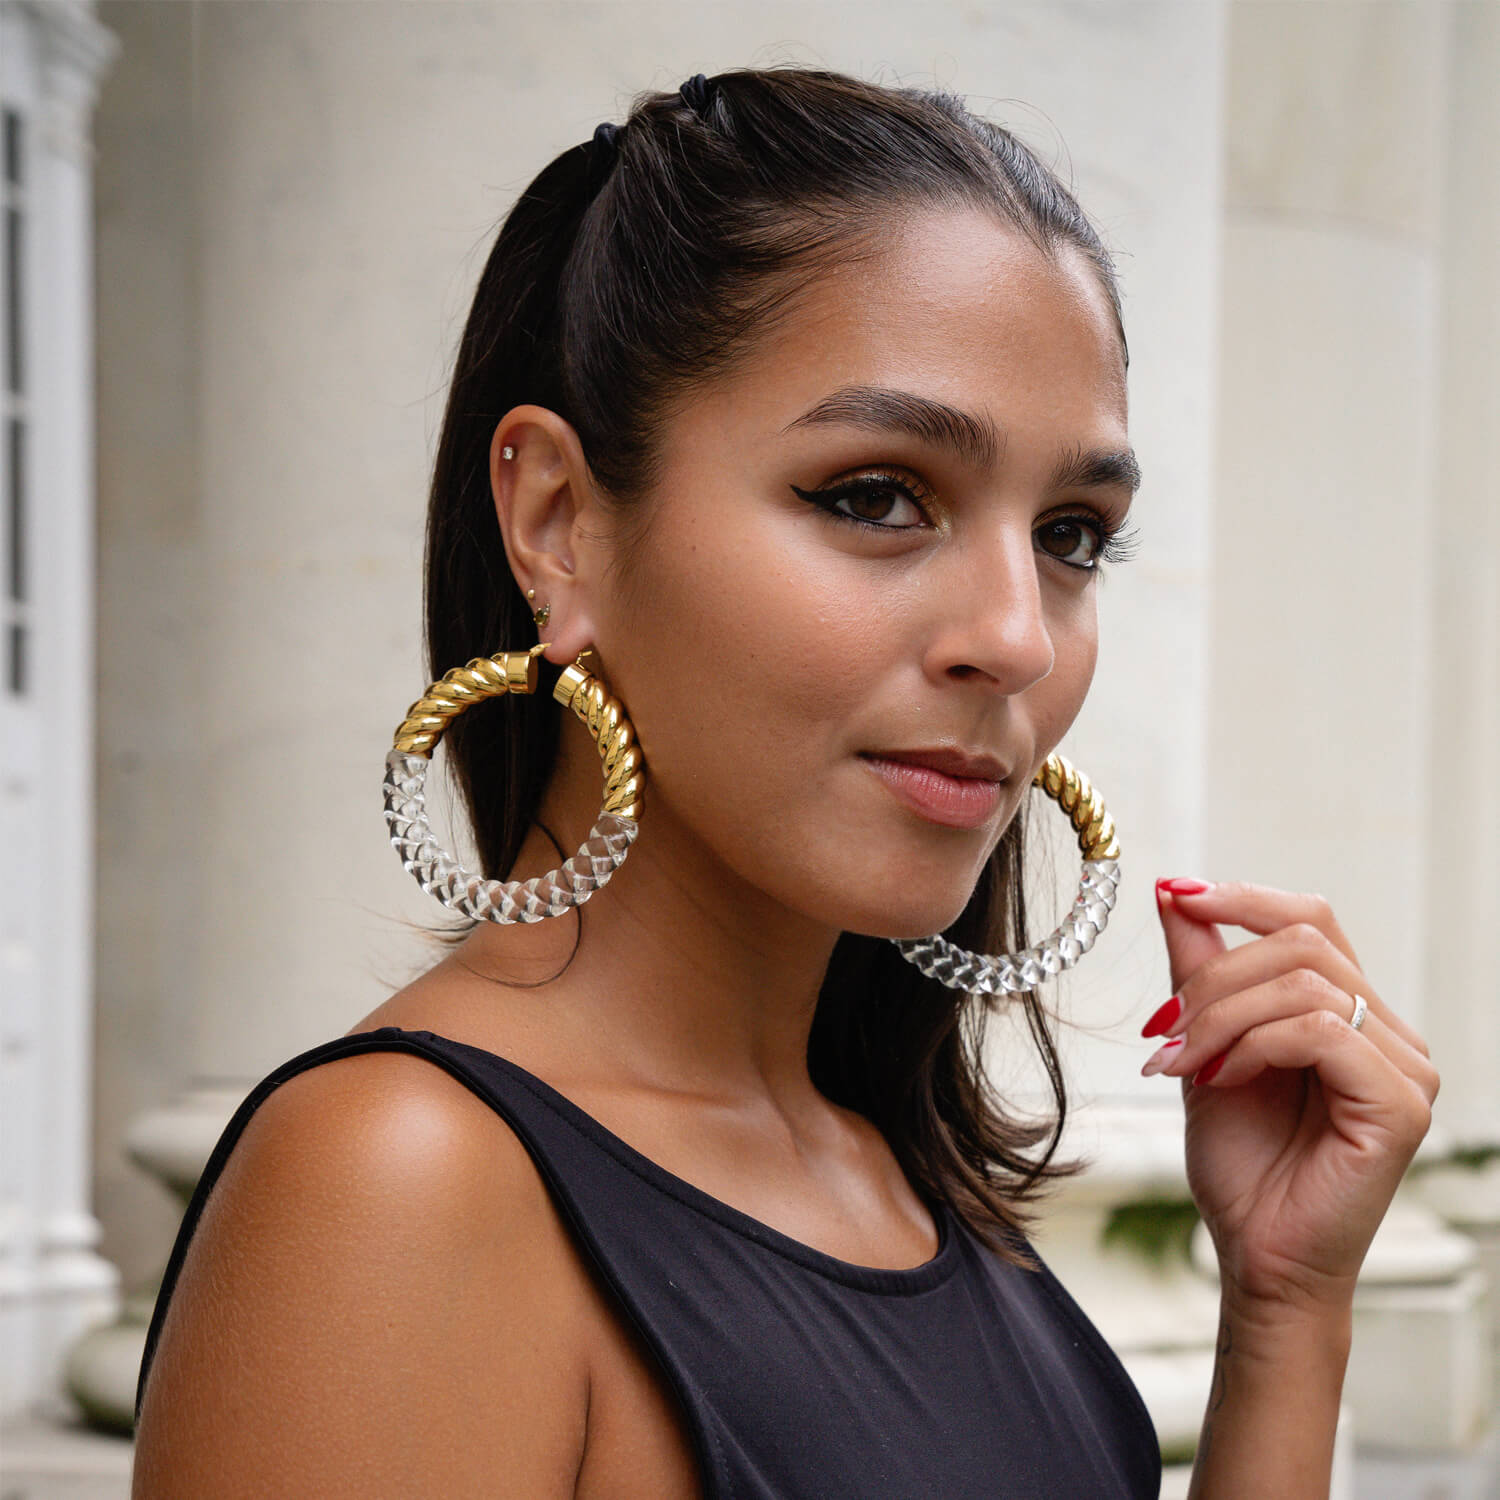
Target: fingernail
<point>1182,886</point>
<point>1209,1068</point>
<point>1162,1056</point>
<point>1163,1018</point>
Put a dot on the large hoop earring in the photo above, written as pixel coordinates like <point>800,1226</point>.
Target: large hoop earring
<point>1010,973</point>
<point>609,841</point>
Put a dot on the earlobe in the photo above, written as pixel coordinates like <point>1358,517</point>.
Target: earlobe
<point>539,482</point>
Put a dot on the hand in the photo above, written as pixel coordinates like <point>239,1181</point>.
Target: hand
<point>1299,1127</point>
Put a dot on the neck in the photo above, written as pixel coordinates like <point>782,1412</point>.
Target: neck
<point>685,977</point>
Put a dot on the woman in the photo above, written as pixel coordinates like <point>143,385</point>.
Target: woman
<point>790,423</point>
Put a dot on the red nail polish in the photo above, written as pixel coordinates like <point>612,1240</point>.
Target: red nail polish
<point>1182,886</point>
<point>1209,1068</point>
<point>1163,1018</point>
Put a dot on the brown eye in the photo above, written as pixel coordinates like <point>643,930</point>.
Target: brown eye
<point>876,500</point>
<point>1071,539</point>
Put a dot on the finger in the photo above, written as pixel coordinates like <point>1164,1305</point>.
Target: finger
<point>1263,909</point>
<point>1190,944</point>
<point>1363,1087</point>
<point>1218,1026</point>
<point>1300,946</point>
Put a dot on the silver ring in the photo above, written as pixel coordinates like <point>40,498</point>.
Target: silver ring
<point>1361,1010</point>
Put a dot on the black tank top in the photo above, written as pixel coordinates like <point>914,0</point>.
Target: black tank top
<point>801,1376</point>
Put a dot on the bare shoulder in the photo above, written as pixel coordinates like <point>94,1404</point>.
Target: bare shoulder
<point>379,1299</point>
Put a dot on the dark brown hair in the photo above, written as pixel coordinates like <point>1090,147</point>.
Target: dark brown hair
<point>635,267</point>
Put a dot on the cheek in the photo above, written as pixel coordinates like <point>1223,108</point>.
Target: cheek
<point>740,663</point>
<point>749,670</point>
<point>1056,700</point>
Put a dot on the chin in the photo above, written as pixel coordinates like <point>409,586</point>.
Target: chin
<point>889,892</point>
<point>906,919</point>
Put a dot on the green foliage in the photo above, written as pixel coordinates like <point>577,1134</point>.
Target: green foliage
<point>1472,1157</point>
<point>1157,1229</point>
<point>1467,1158</point>
<point>1178,1453</point>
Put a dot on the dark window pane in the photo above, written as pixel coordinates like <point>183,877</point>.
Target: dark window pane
<point>13,366</point>
<point>15,508</point>
<point>13,147</point>
<point>15,673</point>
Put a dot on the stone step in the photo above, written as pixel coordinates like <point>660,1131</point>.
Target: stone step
<point>50,1454</point>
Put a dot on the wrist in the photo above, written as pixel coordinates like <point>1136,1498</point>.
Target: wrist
<point>1276,1329</point>
<point>1273,1406</point>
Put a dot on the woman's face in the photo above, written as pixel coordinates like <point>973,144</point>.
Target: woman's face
<point>772,652</point>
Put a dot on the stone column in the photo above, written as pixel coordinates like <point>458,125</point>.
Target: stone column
<point>1462,909</point>
<point>1463,876</point>
<point>1341,700</point>
<point>52,1283</point>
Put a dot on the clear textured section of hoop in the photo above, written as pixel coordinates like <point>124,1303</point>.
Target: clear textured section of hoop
<point>440,875</point>
<point>981,974</point>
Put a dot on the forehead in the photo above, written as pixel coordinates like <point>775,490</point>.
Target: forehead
<point>955,305</point>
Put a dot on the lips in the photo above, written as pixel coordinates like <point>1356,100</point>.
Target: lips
<point>977,766</point>
<point>951,787</point>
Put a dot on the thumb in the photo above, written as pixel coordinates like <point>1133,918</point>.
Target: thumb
<point>1189,943</point>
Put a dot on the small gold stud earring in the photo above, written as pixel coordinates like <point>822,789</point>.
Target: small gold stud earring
<point>539,616</point>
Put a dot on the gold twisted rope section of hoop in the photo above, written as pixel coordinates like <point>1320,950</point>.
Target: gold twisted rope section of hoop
<point>1080,799</point>
<point>605,720</point>
<point>451,694</point>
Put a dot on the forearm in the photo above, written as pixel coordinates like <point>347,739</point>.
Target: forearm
<point>1273,1406</point>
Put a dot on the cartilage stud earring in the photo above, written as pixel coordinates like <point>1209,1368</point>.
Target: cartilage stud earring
<point>507,451</point>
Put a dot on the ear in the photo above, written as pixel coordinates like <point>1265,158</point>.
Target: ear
<point>544,502</point>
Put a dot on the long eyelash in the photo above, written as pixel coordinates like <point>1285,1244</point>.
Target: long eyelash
<point>1121,543</point>
<point>1118,542</point>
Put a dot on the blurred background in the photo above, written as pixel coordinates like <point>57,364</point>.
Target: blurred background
<point>240,240</point>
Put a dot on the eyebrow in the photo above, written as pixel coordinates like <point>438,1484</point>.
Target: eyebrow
<point>1080,470</point>
<point>975,439</point>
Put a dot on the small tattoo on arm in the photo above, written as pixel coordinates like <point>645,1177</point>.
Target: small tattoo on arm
<point>1219,1388</point>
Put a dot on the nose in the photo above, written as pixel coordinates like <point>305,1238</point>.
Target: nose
<point>994,626</point>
